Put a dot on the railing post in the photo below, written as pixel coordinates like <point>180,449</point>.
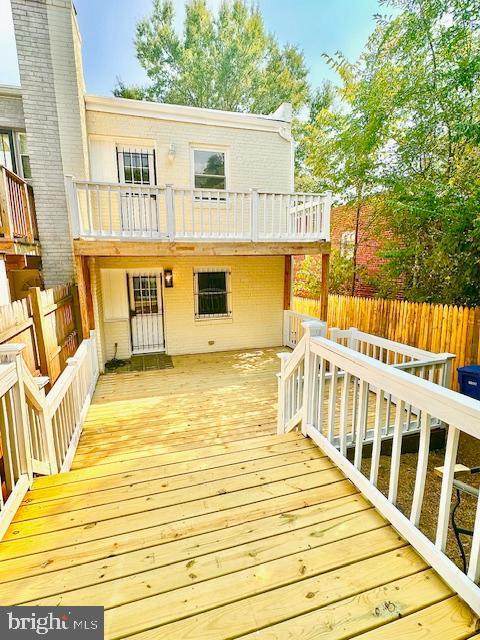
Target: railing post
<point>40,331</point>
<point>447,369</point>
<point>284,357</point>
<point>28,214</point>
<point>352,340</point>
<point>170,205</point>
<point>21,421</point>
<point>312,328</point>
<point>72,207</point>
<point>46,423</point>
<point>254,200</point>
<point>287,320</point>
<point>326,215</point>
<point>5,211</point>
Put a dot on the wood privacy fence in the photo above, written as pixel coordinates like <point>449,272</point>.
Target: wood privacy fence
<point>433,327</point>
<point>47,322</point>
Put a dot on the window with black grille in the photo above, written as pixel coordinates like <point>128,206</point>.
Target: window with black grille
<point>136,166</point>
<point>212,293</point>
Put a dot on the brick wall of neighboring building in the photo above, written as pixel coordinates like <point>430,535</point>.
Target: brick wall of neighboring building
<point>369,243</point>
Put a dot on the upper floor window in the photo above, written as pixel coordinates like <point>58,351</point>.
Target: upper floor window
<point>347,244</point>
<point>136,166</point>
<point>7,154</point>
<point>24,157</point>
<point>14,152</point>
<point>209,169</point>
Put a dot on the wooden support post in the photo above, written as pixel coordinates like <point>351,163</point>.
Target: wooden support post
<point>39,323</point>
<point>5,213</point>
<point>324,293</point>
<point>83,298</point>
<point>287,284</point>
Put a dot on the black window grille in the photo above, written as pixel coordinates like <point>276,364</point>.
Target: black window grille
<point>212,294</point>
<point>136,166</point>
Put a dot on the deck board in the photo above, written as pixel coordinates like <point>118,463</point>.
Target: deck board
<point>185,516</point>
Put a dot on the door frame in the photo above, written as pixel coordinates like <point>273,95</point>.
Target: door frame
<point>160,292</point>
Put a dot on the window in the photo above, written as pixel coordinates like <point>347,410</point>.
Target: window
<point>145,297</point>
<point>7,154</point>
<point>24,157</point>
<point>212,293</point>
<point>136,166</point>
<point>209,169</point>
<point>347,244</point>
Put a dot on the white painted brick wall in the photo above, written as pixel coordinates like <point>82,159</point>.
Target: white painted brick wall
<point>255,159</point>
<point>52,104</point>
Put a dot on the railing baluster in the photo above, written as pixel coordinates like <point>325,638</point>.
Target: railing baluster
<point>447,484</point>
<point>422,465</point>
<point>396,452</point>
<point>377,438</point>
<point>361,421</point>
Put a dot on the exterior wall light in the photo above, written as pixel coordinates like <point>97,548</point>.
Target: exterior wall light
<point>171,152</point>
<point>168,273</point>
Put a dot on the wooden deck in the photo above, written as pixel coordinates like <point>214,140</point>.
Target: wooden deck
<point>187,518</point>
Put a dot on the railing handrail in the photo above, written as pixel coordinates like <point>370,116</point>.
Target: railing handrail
<point>386,343</point>
<point>47,426</point>
<point>162,187</point>
<point>319,371</point>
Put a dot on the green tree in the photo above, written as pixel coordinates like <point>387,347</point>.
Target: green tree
<point>405,124</point>
<point>224,61</point>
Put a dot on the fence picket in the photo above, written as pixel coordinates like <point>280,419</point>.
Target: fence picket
<point>433,327</point>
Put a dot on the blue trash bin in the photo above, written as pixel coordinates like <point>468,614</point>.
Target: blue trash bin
<point>469,380</point>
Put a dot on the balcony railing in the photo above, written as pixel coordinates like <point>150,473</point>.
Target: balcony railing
<point>115,211</point>
<point>17,208</point>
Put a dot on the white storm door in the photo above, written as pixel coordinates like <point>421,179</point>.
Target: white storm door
<point>146,312</point>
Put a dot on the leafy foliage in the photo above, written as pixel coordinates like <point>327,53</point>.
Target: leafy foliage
<point>224,61</point>
<point>309,276</point>
<point>404,122</point>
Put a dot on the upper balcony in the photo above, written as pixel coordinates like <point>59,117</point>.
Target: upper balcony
<point>18,223</point>
<point>118,212</point>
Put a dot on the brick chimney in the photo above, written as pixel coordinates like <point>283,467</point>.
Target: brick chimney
<point>51,76</point>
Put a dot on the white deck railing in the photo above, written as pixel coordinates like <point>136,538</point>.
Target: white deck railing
<point>434,367</point>
<point>293,329</point>
<point>40,432</point>
<point>332,374</point>
<point>142,212</point>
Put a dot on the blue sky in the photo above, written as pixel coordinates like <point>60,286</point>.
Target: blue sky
<point>108,28</point>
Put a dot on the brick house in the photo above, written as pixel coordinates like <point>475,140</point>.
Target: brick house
<point>369,237</point>
<point>178,222</point>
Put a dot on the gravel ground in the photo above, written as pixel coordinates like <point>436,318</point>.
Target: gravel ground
<point>469,455</point>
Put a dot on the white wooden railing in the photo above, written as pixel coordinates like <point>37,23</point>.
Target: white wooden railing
<point>331,372</point>
<point>293,329</point>
<point>40,432</point>
<point>111,210</point>
<point>434,367</point>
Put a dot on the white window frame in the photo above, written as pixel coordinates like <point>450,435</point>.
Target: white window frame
<point>228,283</point>
<point>347,244</point>
<point>212,149</point>
<point>19,155</point>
